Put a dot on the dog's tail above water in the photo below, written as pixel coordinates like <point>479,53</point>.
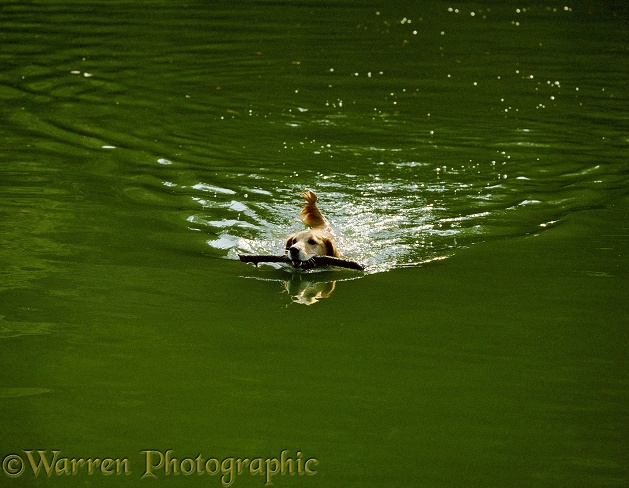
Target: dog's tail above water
<point>311,215</point>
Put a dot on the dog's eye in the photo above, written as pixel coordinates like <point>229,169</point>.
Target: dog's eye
<point>312,242</point>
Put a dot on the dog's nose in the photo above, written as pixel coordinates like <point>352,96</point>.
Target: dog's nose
<point>293,251</point>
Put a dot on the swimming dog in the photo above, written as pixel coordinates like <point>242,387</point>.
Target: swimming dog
<point>318,240</point>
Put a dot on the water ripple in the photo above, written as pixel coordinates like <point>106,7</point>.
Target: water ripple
<point>429,144</point>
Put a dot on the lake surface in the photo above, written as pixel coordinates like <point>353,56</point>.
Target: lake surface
<point>473,156</point>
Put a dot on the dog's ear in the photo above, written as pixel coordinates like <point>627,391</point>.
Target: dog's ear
<point>330,248</point>
<point>289,242</point>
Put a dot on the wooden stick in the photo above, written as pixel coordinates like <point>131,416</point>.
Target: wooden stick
<point>262,258</point>
<point>316,260</point>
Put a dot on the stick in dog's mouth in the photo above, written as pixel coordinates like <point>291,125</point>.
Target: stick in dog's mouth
<point>314,261</point>
<point>312,247</point>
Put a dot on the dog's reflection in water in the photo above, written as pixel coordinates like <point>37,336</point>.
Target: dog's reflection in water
<point>308,291</point>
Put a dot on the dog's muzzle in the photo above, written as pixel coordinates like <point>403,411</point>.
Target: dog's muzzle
<point>293,255</point>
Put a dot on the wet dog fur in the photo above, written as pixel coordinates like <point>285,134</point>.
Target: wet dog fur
<point>317,240</point>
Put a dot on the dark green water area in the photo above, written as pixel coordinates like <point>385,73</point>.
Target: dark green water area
<point>473,155</point>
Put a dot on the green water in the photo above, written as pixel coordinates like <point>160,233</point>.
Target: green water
<point>472,155</point>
